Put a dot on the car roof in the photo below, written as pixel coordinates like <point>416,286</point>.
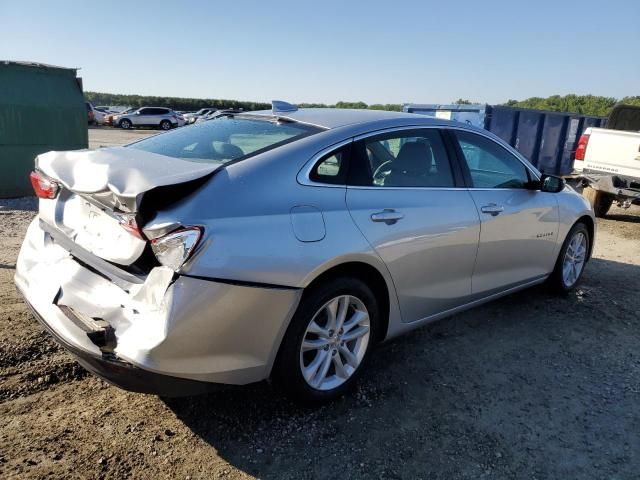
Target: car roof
<point>340,117</point>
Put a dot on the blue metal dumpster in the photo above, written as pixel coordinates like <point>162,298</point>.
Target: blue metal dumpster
<point>547,139</point>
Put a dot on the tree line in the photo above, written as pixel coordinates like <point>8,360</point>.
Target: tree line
<point>176,103</point>
<point>581,104</point>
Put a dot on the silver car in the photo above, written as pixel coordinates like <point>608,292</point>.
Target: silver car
<point>285,244</point>
<point>159,117</point>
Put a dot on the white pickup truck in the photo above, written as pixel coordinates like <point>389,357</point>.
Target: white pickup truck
<point>607,161</point>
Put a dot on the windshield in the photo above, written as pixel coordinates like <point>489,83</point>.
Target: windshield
<point>224,139</point>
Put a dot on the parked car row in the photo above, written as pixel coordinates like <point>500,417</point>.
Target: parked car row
<point>192,117</point>
<point>97,115</point>
<point>159,117</point>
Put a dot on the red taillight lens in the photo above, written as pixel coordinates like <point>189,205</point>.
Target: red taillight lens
<point>129,223</point>
<point>582,147</point>
<point>43,186</point>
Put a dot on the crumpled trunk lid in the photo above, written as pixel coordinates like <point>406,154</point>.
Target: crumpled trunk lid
<point>102,189</point>
<point>119,175</point>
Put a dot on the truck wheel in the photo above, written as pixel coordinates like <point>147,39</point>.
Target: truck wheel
<point>600,201</point>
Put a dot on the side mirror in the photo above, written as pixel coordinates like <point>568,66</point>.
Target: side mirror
<point>551,183</point>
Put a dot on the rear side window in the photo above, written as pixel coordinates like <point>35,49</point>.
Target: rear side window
<point>224,139</point>
<point>415,158</point>
<point>331,168</point>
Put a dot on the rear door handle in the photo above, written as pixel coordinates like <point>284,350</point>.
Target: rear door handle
<point>492,209</point>
<point>388,216</point>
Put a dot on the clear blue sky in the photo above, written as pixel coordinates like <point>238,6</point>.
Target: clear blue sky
<point>325,51</point>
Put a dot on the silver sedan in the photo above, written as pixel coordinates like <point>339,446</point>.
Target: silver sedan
<point>285,244</point>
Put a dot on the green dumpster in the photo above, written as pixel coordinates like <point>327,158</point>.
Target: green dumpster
<point>42,108</point>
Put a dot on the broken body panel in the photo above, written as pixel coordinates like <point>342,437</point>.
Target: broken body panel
<point>72,270</point>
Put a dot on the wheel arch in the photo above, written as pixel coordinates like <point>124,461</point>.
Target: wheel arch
<point>591,228</point>
<point>368,274</point>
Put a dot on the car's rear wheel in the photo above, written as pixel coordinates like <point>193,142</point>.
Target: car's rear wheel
<point>600,202</point>
<point>126,124</point>
<point>328,341</point>
<point>572,259</point>
<point>165,125</point>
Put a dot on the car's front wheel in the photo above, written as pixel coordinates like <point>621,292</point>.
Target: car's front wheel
<point>328,341</point>
<point>126,124</point>
<point>572,259</point>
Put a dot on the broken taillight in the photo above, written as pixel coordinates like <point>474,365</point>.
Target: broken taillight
<point>43,186</point>
<point>175,248</point>
<point>129,223</point>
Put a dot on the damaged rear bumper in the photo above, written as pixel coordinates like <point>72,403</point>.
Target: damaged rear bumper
<point>169,335</point>
<point>123,374</point>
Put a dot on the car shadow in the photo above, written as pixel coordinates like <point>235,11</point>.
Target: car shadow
<point>621,217</point>
<point>533,384</point>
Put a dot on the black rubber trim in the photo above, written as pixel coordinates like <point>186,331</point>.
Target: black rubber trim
<point>242,283</point>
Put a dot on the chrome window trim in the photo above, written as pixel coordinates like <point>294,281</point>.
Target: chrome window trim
<point>303,176</point>
<point>515,154</point>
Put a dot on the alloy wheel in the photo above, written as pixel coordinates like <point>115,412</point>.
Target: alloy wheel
<point>335,342</point>
<point>574,259</point>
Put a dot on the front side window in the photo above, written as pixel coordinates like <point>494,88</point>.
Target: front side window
<point>490,164</point>
<point>224,139</point>
<point>415,158</point>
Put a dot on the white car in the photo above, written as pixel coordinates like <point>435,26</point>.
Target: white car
<point>159,117</point>
<point>100,116</point>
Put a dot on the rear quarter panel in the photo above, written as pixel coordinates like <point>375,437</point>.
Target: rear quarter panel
<point>249,236</point>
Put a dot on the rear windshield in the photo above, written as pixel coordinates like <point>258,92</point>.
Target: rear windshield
<point>224,139</point>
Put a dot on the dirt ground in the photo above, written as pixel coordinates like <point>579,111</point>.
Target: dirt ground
<point>529,386</point>
<point>110,136</point>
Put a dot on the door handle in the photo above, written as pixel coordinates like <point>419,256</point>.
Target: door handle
<point>492,209</point>
<point>388,216</point>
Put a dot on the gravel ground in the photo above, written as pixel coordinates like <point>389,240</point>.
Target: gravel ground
<point>529,386</point>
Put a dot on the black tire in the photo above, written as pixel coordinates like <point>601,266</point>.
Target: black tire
<point>125,124</point>
<point>287,374</point>
<point>165,125</point>
<point>556,281</point>
<point>600,202</point>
